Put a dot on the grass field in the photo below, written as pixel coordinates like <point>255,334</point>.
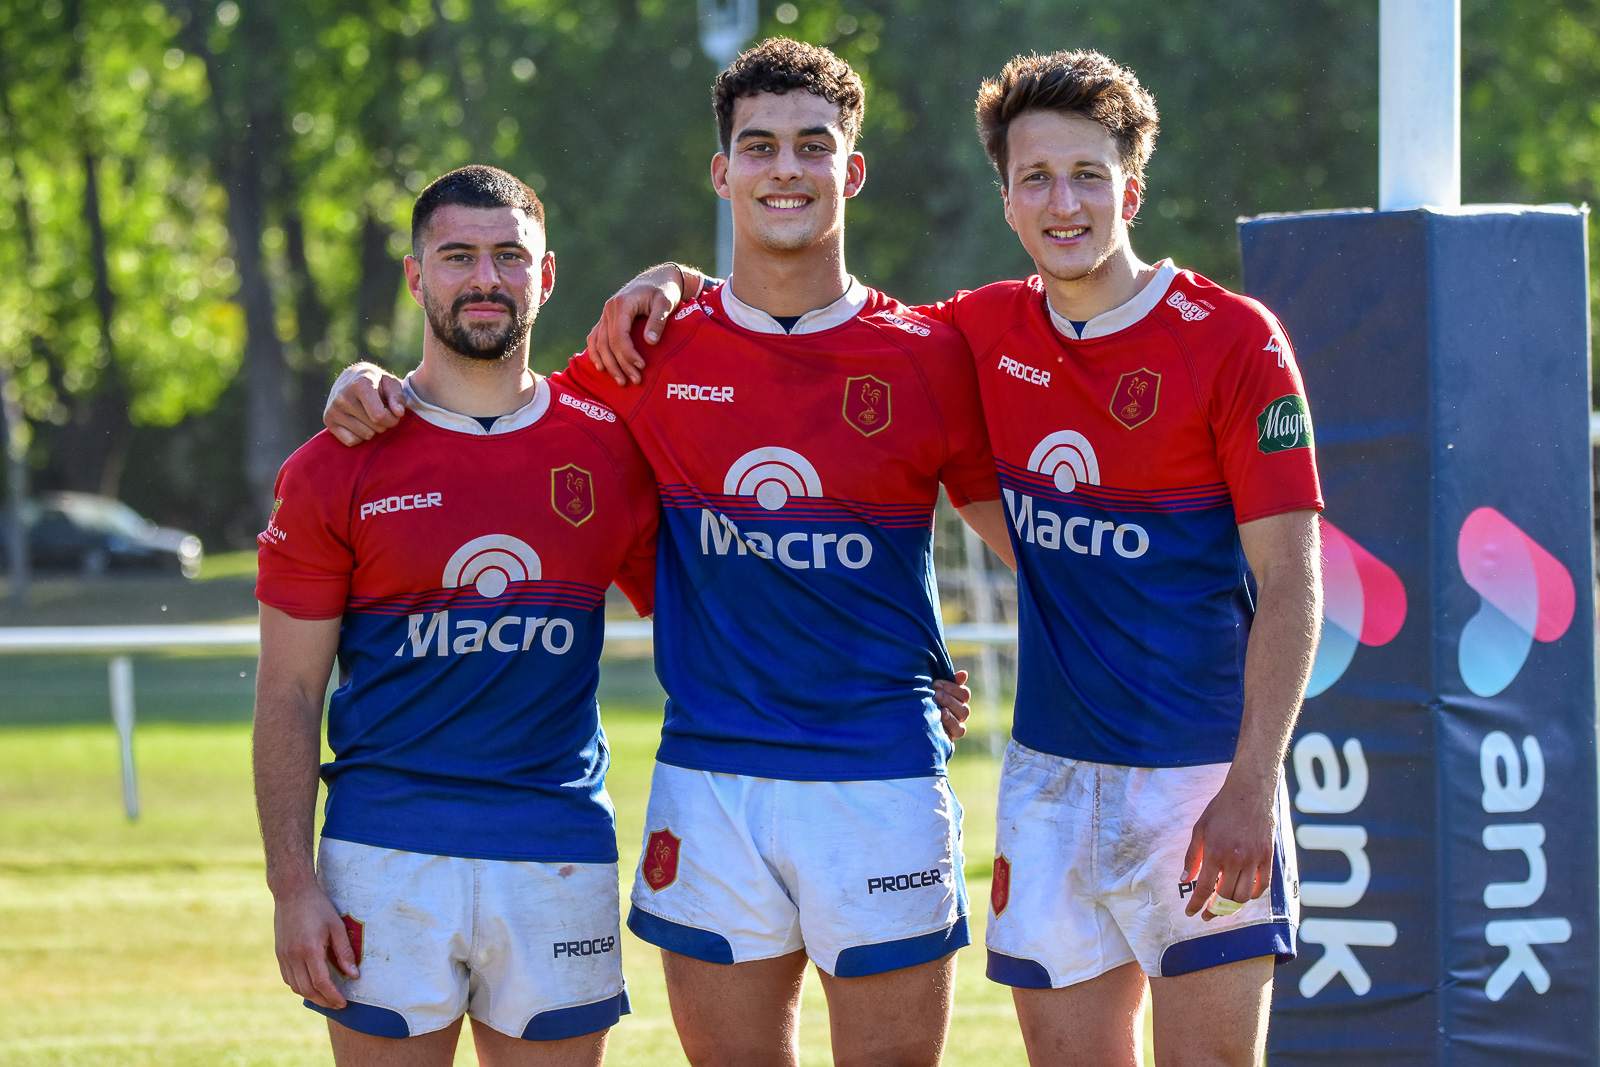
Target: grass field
<point>150,943</point>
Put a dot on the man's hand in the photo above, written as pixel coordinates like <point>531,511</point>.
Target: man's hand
<point>366,400</point>
<point>1230,851</point>
<point>954,700</point>
<point>651,296</point>
<point>309,935</point>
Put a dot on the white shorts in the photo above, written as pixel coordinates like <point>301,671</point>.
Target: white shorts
<point>865,876</point>
<point>531,949</point>
<point>1088,875</point>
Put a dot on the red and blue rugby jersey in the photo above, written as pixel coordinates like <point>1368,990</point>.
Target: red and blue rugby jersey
<point>797,624</point>
<point>1128,455</point>
<point>470,569</point>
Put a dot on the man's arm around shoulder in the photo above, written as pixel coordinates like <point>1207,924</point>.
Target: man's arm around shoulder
<point>296,660</point>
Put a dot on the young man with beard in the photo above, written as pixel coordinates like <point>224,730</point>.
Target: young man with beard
<point>1156,456</point>
<point>799,425</point>
<point>468,860</point>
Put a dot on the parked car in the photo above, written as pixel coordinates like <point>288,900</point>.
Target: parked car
<point>94,534</point>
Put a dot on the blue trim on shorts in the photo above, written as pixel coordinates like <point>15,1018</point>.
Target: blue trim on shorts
<point>688,941</point>
<point>366,1018</point>
<point>864,960</point>
<point>1230,946</point>
<point>562,1023</point>
<point>1016,971</point>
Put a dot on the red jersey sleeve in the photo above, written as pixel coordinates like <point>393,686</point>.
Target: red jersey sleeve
<point>1261,421</point>
<point>944,311</point>
<point>304,555</point>
<point>968,472</point>
<point>637,575</point>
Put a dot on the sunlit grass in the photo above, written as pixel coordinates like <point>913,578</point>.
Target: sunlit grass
<point>151,942</point>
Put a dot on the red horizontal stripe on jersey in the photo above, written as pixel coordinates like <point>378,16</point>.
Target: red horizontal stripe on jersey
<point>888,516</point>
<point>1186,498</point>
<point>548,593</point>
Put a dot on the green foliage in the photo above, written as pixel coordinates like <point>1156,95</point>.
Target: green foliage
<point>264,156</point>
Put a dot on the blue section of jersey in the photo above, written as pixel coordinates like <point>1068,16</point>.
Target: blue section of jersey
<point>1134,611</point>
<point>805,640</point>
<point>474,731</point>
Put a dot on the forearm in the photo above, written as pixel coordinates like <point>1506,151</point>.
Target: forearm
<point>287,757</point>
<point>1283,640</point>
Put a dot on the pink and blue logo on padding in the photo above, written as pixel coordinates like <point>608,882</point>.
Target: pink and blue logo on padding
<point>1363,602</point>
<point>1527,596</point>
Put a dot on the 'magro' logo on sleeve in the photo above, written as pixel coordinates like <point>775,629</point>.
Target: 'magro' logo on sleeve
<point>1284,424</point>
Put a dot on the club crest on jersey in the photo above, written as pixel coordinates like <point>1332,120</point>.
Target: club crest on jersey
<point>1000,888</point>
<point>866,404</point>
<point>1134,402</point>
<point>356,930</point>
<point>660,865</point>
<point>572,493</point>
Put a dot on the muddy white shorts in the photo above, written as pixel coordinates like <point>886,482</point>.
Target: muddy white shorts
<point>1089,875</point>
<point>531,949</point>
<point>865,876</point>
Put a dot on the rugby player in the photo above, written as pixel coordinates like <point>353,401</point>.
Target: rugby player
<point>457,570</point>
<point>799,425</point>
<point>1156,455</point>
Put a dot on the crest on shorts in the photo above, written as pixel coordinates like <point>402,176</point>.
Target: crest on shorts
<point>1000,888</point>
<point>660,863</point>
<point>357,931</point>
<point>866,404</point>
<point>1135,399</point>
<point>572,493</point>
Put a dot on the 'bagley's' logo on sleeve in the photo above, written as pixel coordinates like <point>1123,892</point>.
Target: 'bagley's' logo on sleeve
<point>772,475</point>
<point>1191,310</point>
<point>593,410</point>
<point>489,564</point>
<point>1284,424</point>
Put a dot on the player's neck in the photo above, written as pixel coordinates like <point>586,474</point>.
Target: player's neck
<point>478,388</point>
<point>1110,285</point>
<point>786,284</point>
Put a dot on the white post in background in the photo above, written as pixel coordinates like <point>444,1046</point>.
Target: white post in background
<point>122,715</point>
<point>986,686</point>
<point>1419,104</point>
<point>726,26</point>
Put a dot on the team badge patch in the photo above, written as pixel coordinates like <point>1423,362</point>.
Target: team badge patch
<point>1283,424</point>
<point>1000,888</point>
<point>660,865</point>
<point>866,404</point>
<point>572,493</point>
<point>357,931</point>
<point>1134,402</point>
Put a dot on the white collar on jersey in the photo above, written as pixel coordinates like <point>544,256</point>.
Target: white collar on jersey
<point>837,313</point>
<point>1123,315</point>
<point>526,415</point>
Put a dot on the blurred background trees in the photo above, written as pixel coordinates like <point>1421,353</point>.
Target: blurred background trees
<point>204,203</point>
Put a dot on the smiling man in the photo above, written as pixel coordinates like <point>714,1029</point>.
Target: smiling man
<point>468,861</point>
<point>1155,453</point>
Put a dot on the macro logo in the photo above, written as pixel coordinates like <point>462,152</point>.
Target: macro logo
<point>1067,457</point>
<point>772,475</point>
<point>1363,602</point>
<point>491,563</point>
<point>1527,596</point>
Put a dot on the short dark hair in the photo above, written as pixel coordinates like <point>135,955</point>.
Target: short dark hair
<point>778,65</point>
<point>474,186</point>
<point>1080,82</point>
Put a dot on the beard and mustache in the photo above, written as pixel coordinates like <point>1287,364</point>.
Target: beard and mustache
<point>488,342</point>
